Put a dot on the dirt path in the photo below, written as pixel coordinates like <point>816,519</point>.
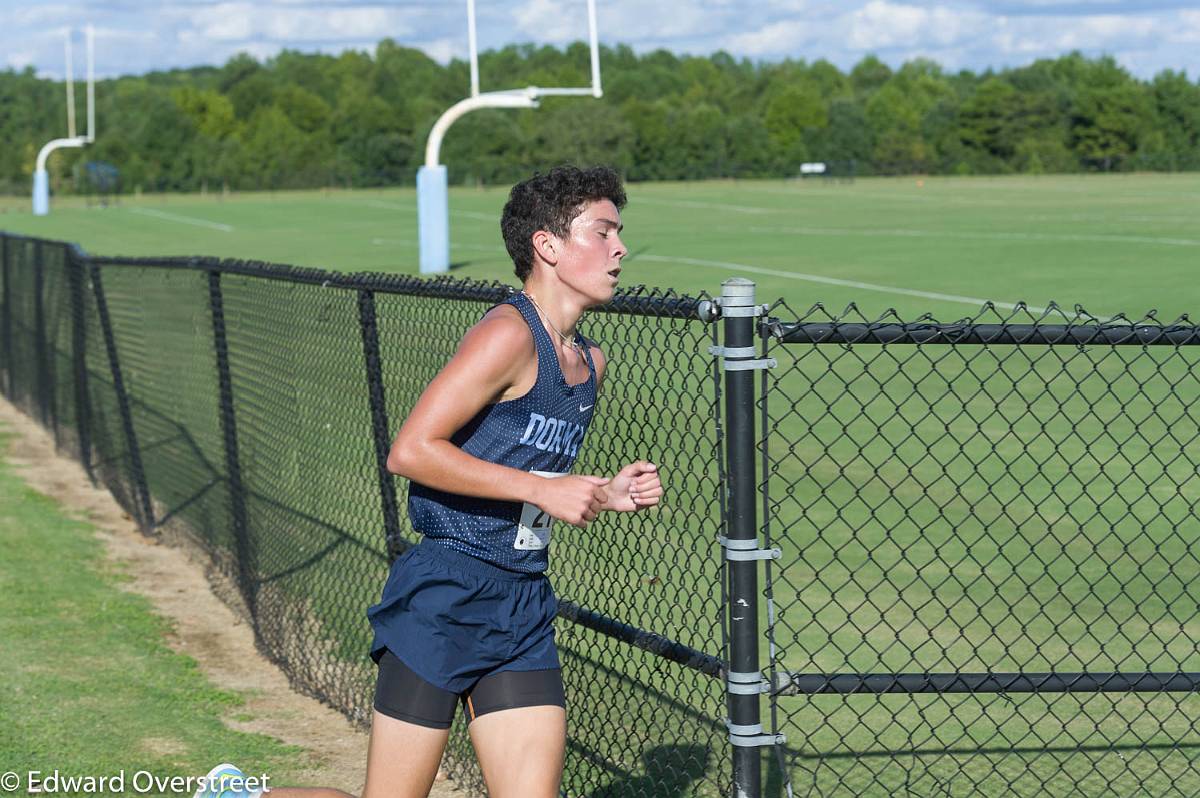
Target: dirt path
<point>204,627</point>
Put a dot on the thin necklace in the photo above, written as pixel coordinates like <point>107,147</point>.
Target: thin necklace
<point>571,342</point>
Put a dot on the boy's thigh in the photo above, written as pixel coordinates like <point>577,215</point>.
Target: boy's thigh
<point>520,750</point>
<point>402,758</point>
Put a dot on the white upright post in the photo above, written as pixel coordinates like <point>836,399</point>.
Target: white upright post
<point>41,177</point>
<point>472,45</point>
<point>70,91</point>
<point>433,206</point>
<point>41,192</point>
<point>91,85</point>
<point>433,219</point>
<point>594,41</point>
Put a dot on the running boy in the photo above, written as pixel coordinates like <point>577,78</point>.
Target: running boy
<point>466,615</point>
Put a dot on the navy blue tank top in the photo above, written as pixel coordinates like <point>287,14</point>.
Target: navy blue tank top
<point>539,432</point>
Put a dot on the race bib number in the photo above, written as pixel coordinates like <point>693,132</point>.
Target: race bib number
<point>535,525</point>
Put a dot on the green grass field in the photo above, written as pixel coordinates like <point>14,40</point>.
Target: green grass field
<point>90,686</point>
<point>1122,243</point>
<point>979,509</point>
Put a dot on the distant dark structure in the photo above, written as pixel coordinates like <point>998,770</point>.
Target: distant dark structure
<point>101,182</point>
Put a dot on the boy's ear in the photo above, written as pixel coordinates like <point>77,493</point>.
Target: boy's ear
<point>546,246</point>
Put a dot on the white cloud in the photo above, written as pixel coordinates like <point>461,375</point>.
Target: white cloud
<point>242,22</point>
<point>1188,31</point>
<point>632,21</point>
<point>551,20</point>
<point>880,25</point>
<point>18,60</point>
<point>445,49</point>
<point>223,23</point>
<point>786,36</point>
<point>1053,35</point>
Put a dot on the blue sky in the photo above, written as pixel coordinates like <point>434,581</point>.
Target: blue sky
<point>135,36</point>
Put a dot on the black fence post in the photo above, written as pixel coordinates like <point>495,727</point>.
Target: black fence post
<point>237,492</point>
<point>6,319</point>
<point>83,397</point>
<point>379,421</point>
<point>744,679</point>
<point>142,506</point>
<point>39,336</point>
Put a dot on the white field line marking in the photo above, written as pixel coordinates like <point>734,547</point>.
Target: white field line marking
<point>391,206</point>
<point>813,191</point>
<point>396,206</point>
<point>487,217</point>
<point>816,278</point>
<point>408,242</point>
<point>716,206</point>
<point>981,236</point>
<point>224,228</point>
<point>1108,218</point>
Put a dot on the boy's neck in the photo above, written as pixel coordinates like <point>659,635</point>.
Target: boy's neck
<point>561,311</point>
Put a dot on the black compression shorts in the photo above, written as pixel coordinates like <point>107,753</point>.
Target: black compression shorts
<point>402,694</point>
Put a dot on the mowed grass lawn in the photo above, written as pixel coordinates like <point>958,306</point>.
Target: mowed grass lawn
<point>1024,523</point>
<point>90,687</point>
<point>1112,243</point>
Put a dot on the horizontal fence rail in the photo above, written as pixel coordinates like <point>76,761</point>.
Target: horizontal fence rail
<point>813,684</point>
<point>1107,333</point>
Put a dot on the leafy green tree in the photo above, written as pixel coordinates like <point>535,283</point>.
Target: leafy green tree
<point>210,111</point>
<point>652,138</point>
<point>847,141</point>
<point>991,121</point>
<point>869,74</point>
<point>274,150</point>
<point>578,133</point>
<point>1109,114</point>
<point>792,113</point>
<point>359,118</point>
<point>1177,103</point>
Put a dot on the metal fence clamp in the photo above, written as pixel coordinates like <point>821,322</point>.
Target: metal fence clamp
<point>743,550</point>
<point>751,736</point>
<point>740,363</point>
<point>747,683</point>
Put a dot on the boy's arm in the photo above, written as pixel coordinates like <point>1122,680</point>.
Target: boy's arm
<point>491,359</point>
<point>637,485</point>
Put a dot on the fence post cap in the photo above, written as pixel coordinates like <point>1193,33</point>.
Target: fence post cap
<point>737,292</point>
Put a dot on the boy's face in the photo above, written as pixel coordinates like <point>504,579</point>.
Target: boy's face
<point>590,261</point>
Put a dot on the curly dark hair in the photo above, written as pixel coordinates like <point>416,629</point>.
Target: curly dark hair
<point>551,202</point>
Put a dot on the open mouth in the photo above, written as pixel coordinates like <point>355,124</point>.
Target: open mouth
<point>615,274</point>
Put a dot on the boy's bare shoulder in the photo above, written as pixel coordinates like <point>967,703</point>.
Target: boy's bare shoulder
<point>501,333</point>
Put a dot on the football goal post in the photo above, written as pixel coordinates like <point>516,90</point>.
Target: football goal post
<point>433,210</point>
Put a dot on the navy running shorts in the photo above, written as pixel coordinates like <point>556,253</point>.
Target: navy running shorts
<point>454,619</point>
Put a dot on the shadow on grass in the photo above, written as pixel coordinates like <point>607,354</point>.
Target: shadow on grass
<point>668,771</point>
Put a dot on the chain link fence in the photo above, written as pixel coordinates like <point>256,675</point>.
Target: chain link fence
<point>894,558</point>
<point>247,409</point>
<point>989,532</point>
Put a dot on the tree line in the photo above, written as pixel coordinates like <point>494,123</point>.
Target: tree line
<point>303,120</point>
